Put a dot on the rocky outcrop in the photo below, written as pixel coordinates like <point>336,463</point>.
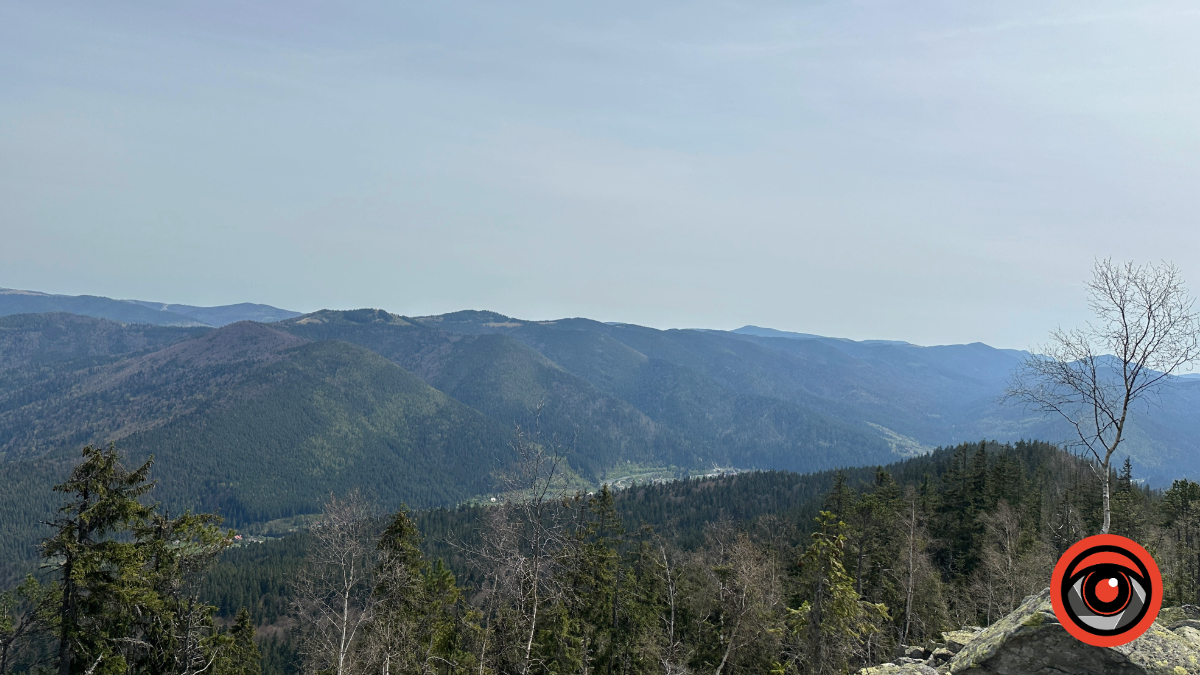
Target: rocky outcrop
<point>1030,641</point>
<point>899,669</point>
<point>955,640</point>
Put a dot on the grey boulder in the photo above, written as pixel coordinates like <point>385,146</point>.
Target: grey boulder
<point>1031,641</point>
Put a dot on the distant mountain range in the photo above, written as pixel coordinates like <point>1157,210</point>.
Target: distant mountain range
<point>14,301</point>
<point>263,420</point>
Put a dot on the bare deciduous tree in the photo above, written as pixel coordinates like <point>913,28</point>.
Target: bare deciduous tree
<point>746,598</point>
<point>674,654</point>
<point>923,601</point>
<point>522,537</point>
<point>1145,330</point>
<point>335,597</point>
<point>1010,569</point>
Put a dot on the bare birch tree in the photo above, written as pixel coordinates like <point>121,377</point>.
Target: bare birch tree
<point>745,594</point>
<point>335,597</point>
<point>674,654</point>
<point>924,606</point>
<point>521,539</point>
<point>1145,330</point>
<point>1009,570</point>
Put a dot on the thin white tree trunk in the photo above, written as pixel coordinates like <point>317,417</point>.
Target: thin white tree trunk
<point>912,572</point>
<point>345,627</point>
<point>729,649</point>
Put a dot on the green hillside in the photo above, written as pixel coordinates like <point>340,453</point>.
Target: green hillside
<point>59,339</point>
<point>327,417</point>
<point>252,423</point>
<point>261,421</point>
<point>913,398</point>
<point>738,423</point>
<point>507,381</point>
<point>616,403</point>
<point>70,407</point>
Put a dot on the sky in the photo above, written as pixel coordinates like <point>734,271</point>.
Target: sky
<point>937,172</point>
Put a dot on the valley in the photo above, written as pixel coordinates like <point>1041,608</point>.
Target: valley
<point>256,421</point>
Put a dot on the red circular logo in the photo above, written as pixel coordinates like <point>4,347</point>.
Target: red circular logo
<point>1106,590</point>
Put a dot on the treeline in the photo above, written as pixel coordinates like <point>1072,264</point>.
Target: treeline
<point>814,574</point>
<point>772,571</point>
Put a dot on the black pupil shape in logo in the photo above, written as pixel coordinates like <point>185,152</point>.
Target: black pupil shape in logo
<point>1109,597</point>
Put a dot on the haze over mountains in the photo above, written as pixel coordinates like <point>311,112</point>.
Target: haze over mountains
<point>262,420</point>
<point>14,301</point>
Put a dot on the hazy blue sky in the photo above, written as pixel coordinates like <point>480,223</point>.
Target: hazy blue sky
<point>936,172</point>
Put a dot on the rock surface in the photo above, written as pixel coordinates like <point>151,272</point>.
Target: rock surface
<point>916,652</point>
<point>899,669</point>
<point>1030,641</point>
<point>941,655</point>
<point>957,639</point>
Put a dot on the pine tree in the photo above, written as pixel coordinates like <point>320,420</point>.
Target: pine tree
<point>1181,518</point>
<point>595,579</point>
<point>649,613</point>
<point>840,498</point>
<point>873,538</point>
<point>1125,477</point>
<point>182,636</point>
<point>1128,508</point>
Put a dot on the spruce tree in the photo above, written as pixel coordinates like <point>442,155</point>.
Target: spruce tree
<point>832,625</point>
<point>419,622</point>
<point>241,655</point>
<point>99,571</point>
<point>129,575</point>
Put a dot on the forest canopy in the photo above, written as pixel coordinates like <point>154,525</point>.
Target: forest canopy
<point>814,573</point>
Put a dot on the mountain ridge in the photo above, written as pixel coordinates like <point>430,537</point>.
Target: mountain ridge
<point>17,301</point>
<point>266,399</point>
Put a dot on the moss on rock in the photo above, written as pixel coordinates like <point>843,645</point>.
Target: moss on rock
<point>1031,640</point>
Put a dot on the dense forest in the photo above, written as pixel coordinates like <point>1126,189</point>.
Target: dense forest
<point>762,571</point>
<point>257,422</point>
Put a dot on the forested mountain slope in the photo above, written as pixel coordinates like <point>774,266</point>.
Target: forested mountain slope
<point>29,342</point>
<point>615,403</point>
<point>913,397</point>
<point>252,423</point>
<point>956,537</point>
<point>260,421</point>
